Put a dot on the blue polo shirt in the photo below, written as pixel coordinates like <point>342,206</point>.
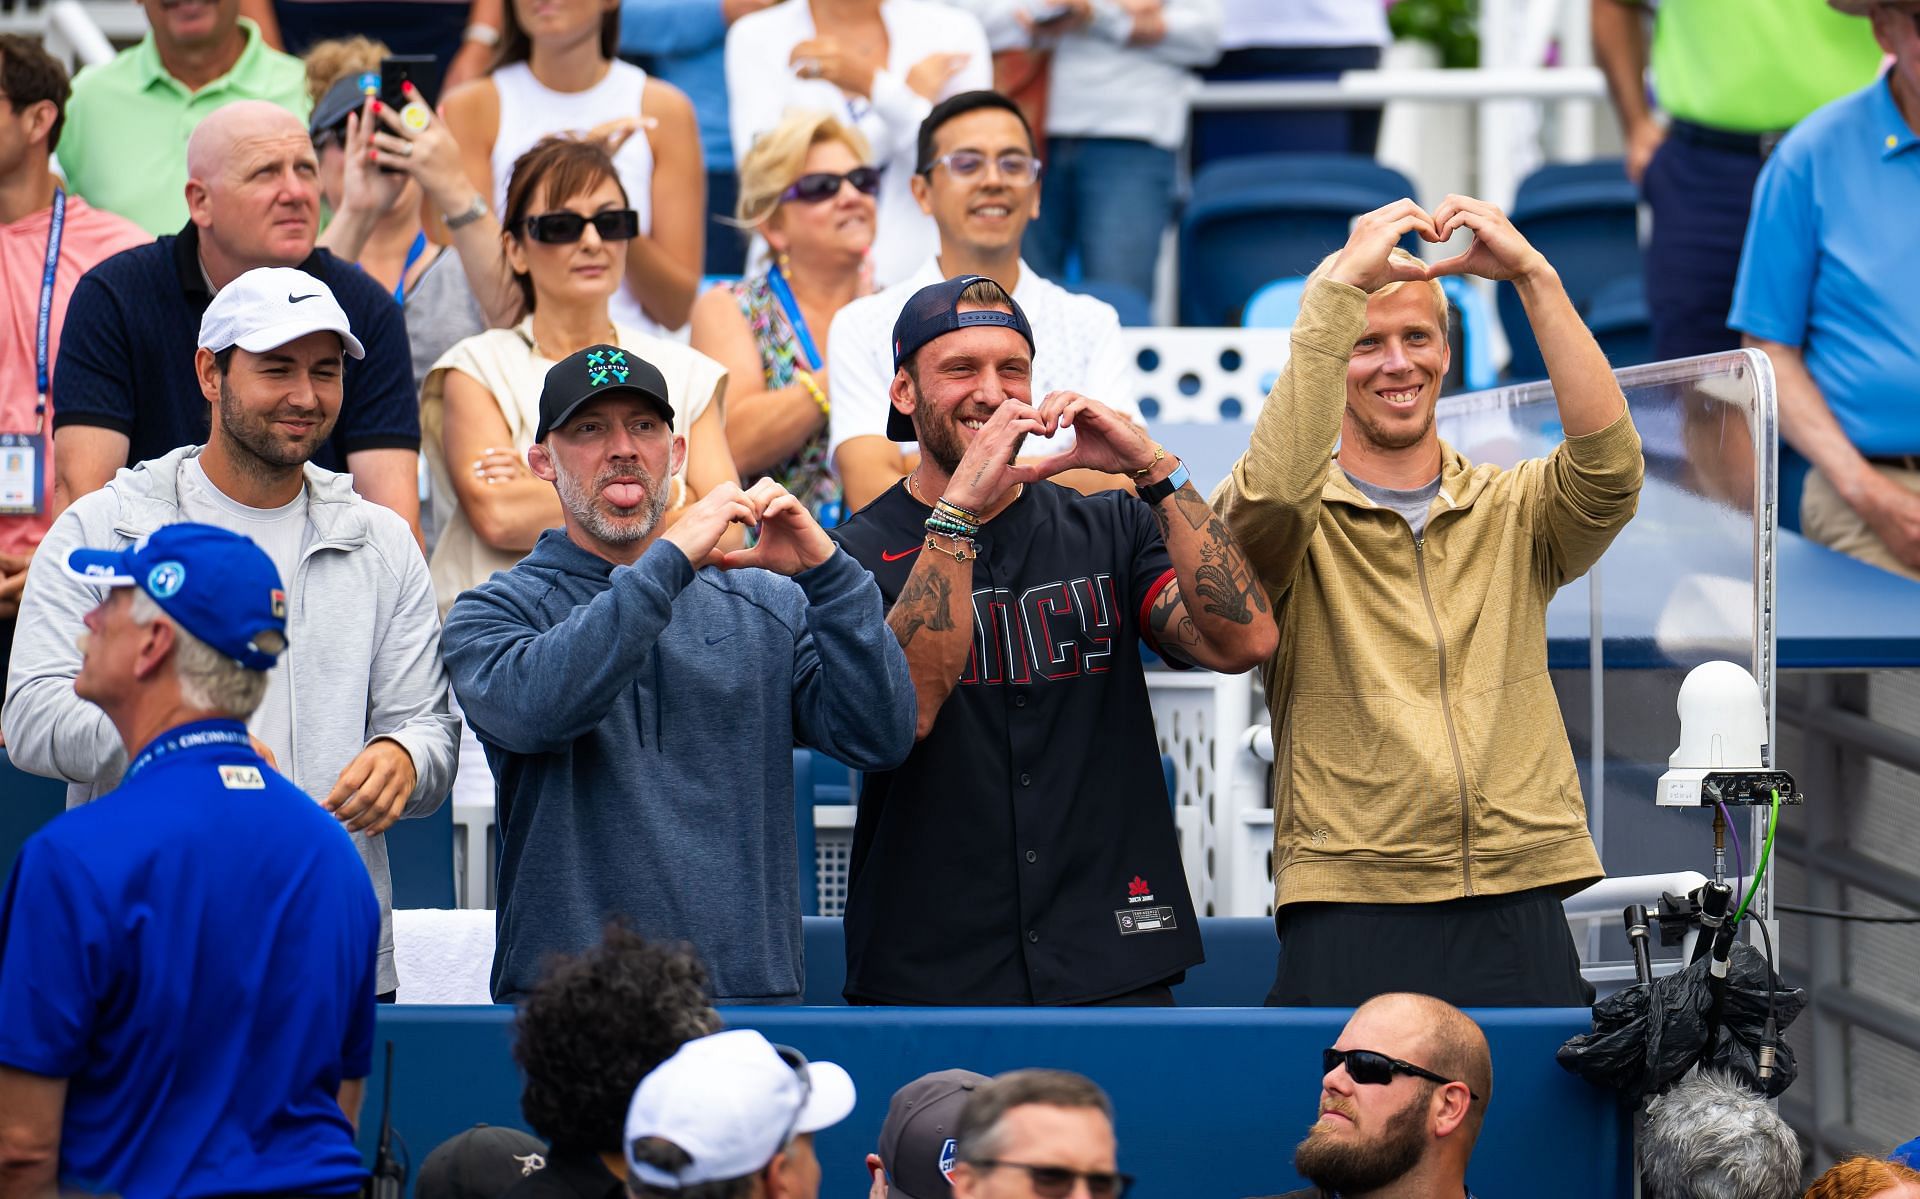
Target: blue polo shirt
<point>194,953</point>
<point>1829,264</point>
<point>133,324</point>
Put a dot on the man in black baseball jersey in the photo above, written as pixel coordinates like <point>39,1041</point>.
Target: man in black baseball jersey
<point>1025,851</point>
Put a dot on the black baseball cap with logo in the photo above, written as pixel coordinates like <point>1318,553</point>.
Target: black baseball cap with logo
<point>934,311</point>
<point>597,371</point>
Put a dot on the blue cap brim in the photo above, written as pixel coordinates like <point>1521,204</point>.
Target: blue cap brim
<point>101,568</point>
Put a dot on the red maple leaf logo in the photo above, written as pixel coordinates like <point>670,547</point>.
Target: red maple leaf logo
<point>1138,887</point>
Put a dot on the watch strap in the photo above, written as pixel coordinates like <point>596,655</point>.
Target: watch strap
<point>475,210</point>
<point>1153,493</point>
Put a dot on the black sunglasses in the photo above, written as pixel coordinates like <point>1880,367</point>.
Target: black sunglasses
<point>825,185</point>
<point>560,228</point>
<point>1056,1182</point>
<point>1368,1068</point>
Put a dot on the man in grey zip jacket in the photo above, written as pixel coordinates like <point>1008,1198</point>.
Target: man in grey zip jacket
<point>366,702</point>
<point>638,692</point>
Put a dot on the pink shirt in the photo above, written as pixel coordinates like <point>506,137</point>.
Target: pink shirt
<point>90,236</point>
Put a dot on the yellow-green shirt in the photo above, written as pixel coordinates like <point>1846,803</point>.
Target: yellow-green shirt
<point>124,145</point>
<point>1756,66</point>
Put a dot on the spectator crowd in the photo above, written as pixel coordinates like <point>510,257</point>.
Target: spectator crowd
<point>366,438</point>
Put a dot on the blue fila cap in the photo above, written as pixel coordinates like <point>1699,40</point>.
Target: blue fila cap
<point>213,583</point>
<point>932,312</point>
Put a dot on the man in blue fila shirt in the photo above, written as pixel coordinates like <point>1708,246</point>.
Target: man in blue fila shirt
<point>186,964</point>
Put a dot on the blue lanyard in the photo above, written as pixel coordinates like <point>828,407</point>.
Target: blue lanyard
<point>56,228</point>
<point>414,251</point>
<point>198,735</point>
<point>777,284</point>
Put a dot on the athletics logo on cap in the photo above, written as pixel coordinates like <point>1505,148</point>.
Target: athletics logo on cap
<point>165,580</point>
<point>946,1158</point>
<point>605,364</point>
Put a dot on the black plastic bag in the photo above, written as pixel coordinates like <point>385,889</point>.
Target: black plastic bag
<point>1645,1037</point>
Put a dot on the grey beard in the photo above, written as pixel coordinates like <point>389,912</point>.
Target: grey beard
<point>585,506</point>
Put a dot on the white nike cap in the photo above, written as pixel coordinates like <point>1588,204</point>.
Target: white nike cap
<point>270,306</point>
<point>730,1101</point>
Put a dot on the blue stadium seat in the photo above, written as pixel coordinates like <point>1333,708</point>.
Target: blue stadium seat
<point>817,779</point>
<point>1277,305</point>
<point>1585,217</point>
<point>1136,311</point>
<point>30,801</point>
<point>420,855</point>
<point>1270,216</point>
<point>1619,320</point>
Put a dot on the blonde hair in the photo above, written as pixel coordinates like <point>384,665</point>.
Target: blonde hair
<point>331,61</point>
<point>780,154</point>
<point>1401,256</point>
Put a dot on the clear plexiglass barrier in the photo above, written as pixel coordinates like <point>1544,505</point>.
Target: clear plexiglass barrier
<point>1690,579</point>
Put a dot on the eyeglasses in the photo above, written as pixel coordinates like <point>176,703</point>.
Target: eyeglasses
<point>968,164</point>
<point>825,185</point>
<point>1368,1068</point>
<point>1056,1182</point>
<point>561,228</point>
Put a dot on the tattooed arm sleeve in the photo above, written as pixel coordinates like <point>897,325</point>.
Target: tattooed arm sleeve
<point>1215,613</point>
<point>933,620</point>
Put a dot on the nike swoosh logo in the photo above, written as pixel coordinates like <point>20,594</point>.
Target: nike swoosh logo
<point>719,639</point>
<point>886,557</point>
<point>293,299</point>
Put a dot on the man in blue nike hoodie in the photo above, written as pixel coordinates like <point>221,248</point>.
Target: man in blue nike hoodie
<point>637,692</point>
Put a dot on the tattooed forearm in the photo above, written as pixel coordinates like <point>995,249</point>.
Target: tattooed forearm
<point>926,602</point>
<point>1172,628</point>
<point>1193,506</point>
<point>1224,582</point>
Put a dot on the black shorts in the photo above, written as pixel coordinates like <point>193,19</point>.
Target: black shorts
<point>1510,950</point>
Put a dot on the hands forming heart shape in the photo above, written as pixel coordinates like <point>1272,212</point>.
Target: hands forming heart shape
<point>790,539</point>
<point>1497,251</point>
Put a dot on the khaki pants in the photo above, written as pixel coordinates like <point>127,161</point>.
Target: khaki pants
<point>1827,519</point>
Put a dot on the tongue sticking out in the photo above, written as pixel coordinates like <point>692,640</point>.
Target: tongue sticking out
<point>623,495</point>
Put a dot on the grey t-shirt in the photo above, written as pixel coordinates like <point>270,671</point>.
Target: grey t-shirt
<point>1410,504</point>
<point>283,533</point>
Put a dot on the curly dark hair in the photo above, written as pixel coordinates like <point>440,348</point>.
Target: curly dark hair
<point>595,1024</point>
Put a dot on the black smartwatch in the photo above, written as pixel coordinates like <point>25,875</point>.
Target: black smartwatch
<point>1153,493</point>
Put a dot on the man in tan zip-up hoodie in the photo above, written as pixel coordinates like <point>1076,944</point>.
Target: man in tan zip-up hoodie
<point>1427,814</point>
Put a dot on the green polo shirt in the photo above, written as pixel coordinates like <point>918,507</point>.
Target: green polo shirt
<point>124,146</point>
<point>1757,66</point>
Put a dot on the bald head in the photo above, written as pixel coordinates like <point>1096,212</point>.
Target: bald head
<point>253,189</point>
<point>1440,1037</point>
<point>211,149</point>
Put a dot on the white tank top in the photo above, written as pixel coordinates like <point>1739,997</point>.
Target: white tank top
<point>530,110</point>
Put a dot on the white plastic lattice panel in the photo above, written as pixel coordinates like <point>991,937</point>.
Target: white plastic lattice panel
<point>1189,710</point>
<point>1205,375</point>
<point>832,852</point>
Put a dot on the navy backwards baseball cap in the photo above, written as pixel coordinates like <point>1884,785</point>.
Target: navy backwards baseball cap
<point>213,583</point>
<point>934,311</point>
<point>347,95</point>
<point>919,1142</point>
<point>597,371</point>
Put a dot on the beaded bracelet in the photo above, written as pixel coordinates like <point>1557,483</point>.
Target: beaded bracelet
<point>806,380</point>
<point>943,504</point>
<point>952,528</point>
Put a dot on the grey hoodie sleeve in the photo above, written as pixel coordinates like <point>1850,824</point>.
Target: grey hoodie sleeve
<point>852,694</point>
<point>529,691</point>
<point>50,730</point>
<point>407,689</point>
